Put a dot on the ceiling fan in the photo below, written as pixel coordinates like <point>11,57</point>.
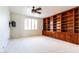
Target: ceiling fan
<point>36,10</point>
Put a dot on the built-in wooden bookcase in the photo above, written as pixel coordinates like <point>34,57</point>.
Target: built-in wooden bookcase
<point>51,23</point>
<point>44,24</point>
<point>48,24</point>
<point>76,20</point>
<point>59,17</point>
<point>55,23</point>
<point>70,21</point>
<point>64,22</point>
<point>63,26</point>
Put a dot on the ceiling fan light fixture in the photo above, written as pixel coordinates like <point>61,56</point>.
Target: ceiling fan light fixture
<point>36,10</point>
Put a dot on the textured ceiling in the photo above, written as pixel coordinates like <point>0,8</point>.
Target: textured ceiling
<point>46,10</point>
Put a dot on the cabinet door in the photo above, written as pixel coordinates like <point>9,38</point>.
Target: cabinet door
<point>49,33</point>
<point>72,38</point>
<point>68,37</point>
<point>45,33</point>
<point>75,38</point>
<point>58,35</point>
<point>42,32</point>
<point>78,38</point>
<point>63,36</point>
<point>53,34</point>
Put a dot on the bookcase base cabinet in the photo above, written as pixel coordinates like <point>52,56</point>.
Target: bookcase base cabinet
<point>60,35</point>
<point>69,37</point>
<point>46,33</point>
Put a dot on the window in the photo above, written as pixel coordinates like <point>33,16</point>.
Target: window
<point>30,24</point>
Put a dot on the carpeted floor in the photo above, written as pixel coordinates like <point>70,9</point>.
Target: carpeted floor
<point>40,44</point>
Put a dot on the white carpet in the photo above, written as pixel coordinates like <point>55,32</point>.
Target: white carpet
<point>40,44</point>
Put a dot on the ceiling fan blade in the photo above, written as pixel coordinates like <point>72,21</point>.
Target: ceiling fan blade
<point>38,9</point>
<point>38,12</point>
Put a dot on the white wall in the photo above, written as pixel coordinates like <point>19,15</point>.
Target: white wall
<point>19,32</point>
<point>4,27</point>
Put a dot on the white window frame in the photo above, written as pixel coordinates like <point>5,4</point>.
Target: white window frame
<point>30,24</point>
